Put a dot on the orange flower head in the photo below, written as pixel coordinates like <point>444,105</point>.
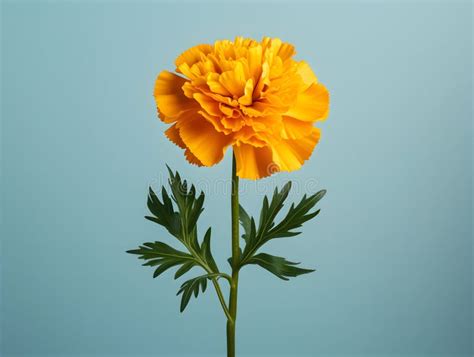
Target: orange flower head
<point>248,95</point>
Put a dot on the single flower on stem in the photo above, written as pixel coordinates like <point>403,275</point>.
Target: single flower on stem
<point>255,98</point>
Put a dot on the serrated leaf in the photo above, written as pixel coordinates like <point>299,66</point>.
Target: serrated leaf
<point>270,211</point>
<point>189,207</point>
<point>268,228</point>
<point>245,221</point>
<point>183,270</point>
<point>165,257</point>
<point>178,211</point>
<point>191,287</point>
<point>206,251</point>
<point>163,213</point>
<point>296,216</point>
<point>278,266</point>
<point>195,210</point>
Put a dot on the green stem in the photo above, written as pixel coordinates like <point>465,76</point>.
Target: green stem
<point>235,262</point>
<point>221,298</point>
<point>214,280</point>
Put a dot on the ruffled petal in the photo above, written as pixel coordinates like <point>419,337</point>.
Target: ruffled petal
<point>306,74</point>
<point>290,154</point>
<point>215,86</point>
<point>246,99</point>
<point>294,129</point>
<point>312,104</point>
<point>169,96</point>
<point>193,55</point>
<point>254,162</point>
<point>202,139</point>
<point>254,59</point>
<point>232,124</point>
<point>191,158</point>
<point>208,104</point>
<point>270,124</point>
<point>172,133</point>
<point>286,51</point>
<point>216,122</point>
<point>234,81</point>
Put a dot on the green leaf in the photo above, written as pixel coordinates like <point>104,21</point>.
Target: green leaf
<point>270,211</point>
<point>189,207</point>
<point>163,213</point>
<point>206,251</point>
<point>183,270</point>
<point>191,287</point>
<point>296,216</point>
<point>178,211</point>
<point>164,257</point>
<point>267,228</point>
<point>245,221</point>
<point>279,266</point>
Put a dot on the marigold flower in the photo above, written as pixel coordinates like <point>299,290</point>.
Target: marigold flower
<point>248,95</point>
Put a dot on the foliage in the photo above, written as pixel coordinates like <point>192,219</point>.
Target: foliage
<point>178,211</point>
<point>268,229</point>
<point>182,224</point>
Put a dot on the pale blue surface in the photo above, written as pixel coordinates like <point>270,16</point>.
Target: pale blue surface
<point>81,144</point>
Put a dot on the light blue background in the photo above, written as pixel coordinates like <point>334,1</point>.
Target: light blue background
<point>81,143</point>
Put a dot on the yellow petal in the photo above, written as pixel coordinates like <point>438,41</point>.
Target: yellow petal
<point>264,79</point>
<point>203,140</point>
<point>184,69</point>
<point>170,98</point>
<point>226,110</point>
<point>232,124</point>
<point>255,62</point>
<point>294,129</point>
<point>246,99</point>
<point>208,104</point>
<point>259,109</point>
<point>311,105</point>
<point>220,98</point>
<point>193,55</point>
<point>275,44</point>
<point>234,81</point>
<point>191,158</point>
<point>189,90</point>
<point>215,86</point>
<point>247,135</point>
<point>307,74</point>
<point>254,163</point>
<point>290,154</point>
<point>172,133</point>
<point>216,122</point>
<point>286,51</point>
<point>267,123</point>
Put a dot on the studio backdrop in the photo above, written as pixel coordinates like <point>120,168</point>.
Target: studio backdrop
<point>82,143</point>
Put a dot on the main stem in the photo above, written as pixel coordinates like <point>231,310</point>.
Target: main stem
<point>235,262</point>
